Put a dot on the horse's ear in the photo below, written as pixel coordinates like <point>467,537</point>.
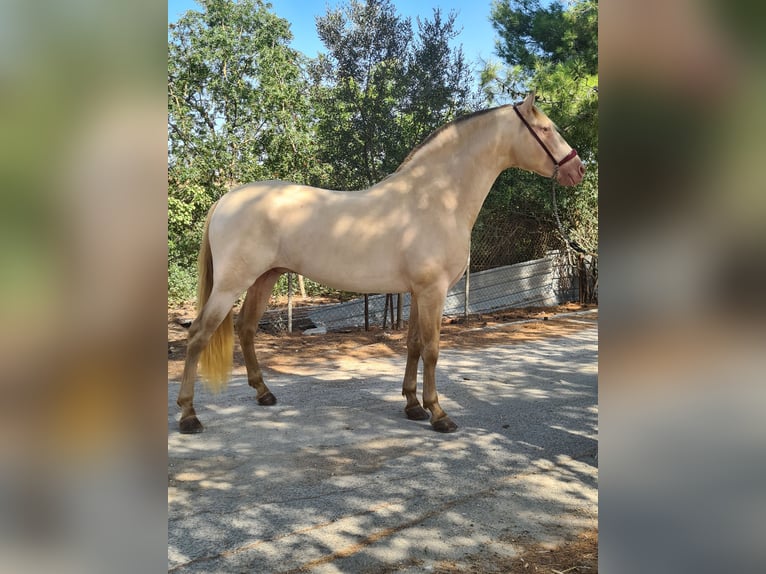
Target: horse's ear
<point>529,101</point>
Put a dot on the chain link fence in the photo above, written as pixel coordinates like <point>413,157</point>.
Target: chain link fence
<point>510,266</point>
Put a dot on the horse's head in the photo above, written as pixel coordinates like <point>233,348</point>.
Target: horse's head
<point>544,150</point>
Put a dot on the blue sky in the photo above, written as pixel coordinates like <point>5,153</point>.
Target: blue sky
<point>477,35</point>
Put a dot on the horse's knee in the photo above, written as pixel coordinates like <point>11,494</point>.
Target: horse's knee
<point>413,344</point>
<point>430,353</point>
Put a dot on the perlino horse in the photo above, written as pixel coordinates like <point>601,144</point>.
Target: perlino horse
<point>410,232</point>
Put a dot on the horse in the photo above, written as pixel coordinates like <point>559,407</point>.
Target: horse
<point>408,233</point>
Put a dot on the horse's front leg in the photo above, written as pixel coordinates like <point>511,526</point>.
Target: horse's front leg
<point>430,305</point>
<point>413,409</point>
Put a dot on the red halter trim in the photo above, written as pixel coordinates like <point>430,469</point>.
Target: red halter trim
<point>557,164</point>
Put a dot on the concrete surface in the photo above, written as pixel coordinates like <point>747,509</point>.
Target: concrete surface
<point>335,479</point>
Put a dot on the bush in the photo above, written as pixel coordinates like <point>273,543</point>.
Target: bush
<point>182,284</point>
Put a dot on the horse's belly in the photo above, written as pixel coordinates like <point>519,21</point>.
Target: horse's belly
<point>362,275</point>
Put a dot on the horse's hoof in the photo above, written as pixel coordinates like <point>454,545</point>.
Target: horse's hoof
<point>444,425</point>
<point>417,413</point>
<point>267,399</point>
<point>190,425</point>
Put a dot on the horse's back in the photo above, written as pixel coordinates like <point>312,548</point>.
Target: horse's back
<point>264,195</point>
<point>320,233</point>
<point>377,240</point>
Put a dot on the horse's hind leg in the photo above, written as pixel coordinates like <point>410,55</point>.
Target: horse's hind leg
<point>413,409</point>
<point>256,301</point>
<point>210,317</point>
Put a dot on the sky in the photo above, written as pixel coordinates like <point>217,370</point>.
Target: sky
<point>477,36</point>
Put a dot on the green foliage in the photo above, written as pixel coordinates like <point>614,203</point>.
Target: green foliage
<point>530,34</point>
<point>237,111</point>
<point>440,81</point>
<point>188,204</point>
<point>182,283</point>
<point>380,89</point>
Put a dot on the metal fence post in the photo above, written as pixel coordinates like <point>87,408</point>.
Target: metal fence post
<point>289,302</point>
<point>467,282</point>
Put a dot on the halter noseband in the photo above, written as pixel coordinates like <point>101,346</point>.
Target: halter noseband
<point>557,164</point>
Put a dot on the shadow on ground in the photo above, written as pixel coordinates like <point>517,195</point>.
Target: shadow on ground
<point>335,479</point>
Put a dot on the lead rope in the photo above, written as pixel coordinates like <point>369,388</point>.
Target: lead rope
<point>571,243</point>
<point>575,251</point>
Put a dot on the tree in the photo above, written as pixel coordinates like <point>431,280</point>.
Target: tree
<point>358,84</point>
<point>237,112</point>
<point>439,80</point>
<point>530,34</point>
<point>378,92</point>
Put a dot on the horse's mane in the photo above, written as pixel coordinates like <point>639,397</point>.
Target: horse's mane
<point>434,134</point>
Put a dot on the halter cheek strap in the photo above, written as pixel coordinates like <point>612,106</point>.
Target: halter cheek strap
<point>557,164</point>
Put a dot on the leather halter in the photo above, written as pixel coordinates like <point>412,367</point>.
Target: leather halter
<point>572,154</point>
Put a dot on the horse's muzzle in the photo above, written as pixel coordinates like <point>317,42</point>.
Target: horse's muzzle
<point>571,173</point>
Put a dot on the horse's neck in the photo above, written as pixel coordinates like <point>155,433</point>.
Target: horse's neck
<point>467,161</point>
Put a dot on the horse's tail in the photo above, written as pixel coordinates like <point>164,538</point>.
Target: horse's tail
<point>217,357</point>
